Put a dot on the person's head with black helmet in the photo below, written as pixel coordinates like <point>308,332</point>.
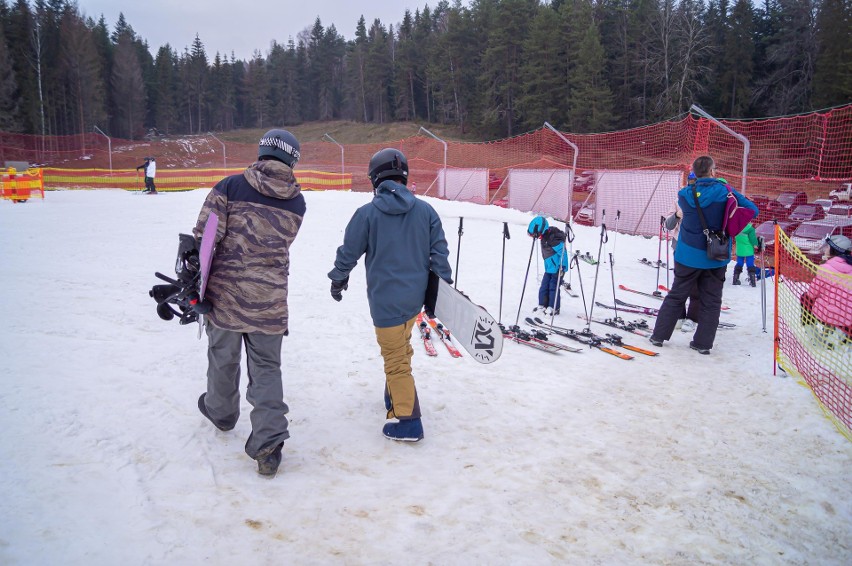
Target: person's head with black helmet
<point>388,164</point>
<point>279,145</point>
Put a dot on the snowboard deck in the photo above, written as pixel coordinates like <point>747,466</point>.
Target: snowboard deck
<point>472,327</point>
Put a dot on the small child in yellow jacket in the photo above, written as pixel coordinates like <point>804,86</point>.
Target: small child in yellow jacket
<point>747,244</point>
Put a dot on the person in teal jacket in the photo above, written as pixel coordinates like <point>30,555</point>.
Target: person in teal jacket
<point>747,245</point>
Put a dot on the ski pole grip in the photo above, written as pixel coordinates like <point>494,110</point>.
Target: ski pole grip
<point>506,231</point>
<point>461,222</point>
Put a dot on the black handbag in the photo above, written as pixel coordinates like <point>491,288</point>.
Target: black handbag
<point>718,243</point>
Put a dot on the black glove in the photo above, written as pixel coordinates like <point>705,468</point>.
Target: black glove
<point>337,288</point>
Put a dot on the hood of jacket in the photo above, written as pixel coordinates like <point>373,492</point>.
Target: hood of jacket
<point>708,189</point>
<point>393,198</point>
<point>272,179</point>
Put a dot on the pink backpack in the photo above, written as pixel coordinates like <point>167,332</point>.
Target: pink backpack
<point>736,217</point>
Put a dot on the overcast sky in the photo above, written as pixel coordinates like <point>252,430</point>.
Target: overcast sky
<point>241,26</point>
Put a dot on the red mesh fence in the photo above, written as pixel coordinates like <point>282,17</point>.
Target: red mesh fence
<point>813,327</point>
<point>811,153</point>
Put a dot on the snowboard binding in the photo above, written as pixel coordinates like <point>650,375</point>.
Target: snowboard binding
<point>179,297</point>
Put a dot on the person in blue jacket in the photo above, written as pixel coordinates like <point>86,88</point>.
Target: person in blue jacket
<point>403,240</point>
<point>692,266</point>
<point>554,254</point>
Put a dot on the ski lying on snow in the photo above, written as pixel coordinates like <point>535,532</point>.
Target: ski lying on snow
<point>591,340</point>
<point>541,336</point>
<point>519,336</point>
<point>567,288</point>
<point>621,303</point>
<point>443,334</point>
<point>653,264</point>
<point>638,327</point>
<point>426,336</point>
<point>613,339</point>
<point>666,289</point>
<point>642,310</point>
<point>587,257</point>
<point>652,295</point>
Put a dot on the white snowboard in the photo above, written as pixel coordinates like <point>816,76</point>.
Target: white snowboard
<point>470,325</point>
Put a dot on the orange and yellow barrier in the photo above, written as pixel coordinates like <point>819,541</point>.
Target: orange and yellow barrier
<point>177,179</point>
<point>20,187</point>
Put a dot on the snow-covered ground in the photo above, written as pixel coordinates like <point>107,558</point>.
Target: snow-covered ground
<point>536,459</point>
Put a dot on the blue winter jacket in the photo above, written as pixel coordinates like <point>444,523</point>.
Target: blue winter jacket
<point>691,249</point>
<point>403,239</point>
<point>553,250</point>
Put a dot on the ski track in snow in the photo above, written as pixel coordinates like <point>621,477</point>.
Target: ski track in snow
<point>536,459</point>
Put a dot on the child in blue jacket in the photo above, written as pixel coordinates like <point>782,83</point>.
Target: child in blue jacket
<point>555,256</point>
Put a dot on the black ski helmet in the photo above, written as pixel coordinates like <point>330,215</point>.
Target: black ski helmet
<point>386,163</point>
<point>280,145</point>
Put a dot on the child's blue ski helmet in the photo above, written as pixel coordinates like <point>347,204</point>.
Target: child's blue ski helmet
<point>537,226</point>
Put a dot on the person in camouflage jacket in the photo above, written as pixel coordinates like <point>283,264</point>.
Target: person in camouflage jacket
<point>260,212</point>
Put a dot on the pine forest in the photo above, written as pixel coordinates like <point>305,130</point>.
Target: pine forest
<point>493,68</point>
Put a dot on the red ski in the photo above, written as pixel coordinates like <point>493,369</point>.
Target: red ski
<point>426,336</point>
<point>443,334</point>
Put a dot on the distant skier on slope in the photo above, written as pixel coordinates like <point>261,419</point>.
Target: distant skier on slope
<point>403,240</point>
<point>150,167</point>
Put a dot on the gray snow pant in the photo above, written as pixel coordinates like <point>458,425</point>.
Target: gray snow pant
<point>265,392</point>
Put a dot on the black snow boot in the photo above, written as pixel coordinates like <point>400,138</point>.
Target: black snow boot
<point>752,276</point>
<point>737,272</point>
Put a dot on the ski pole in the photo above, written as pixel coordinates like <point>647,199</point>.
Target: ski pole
<point>535,235</point>
<point>569,236</point>
<point>762,280</point>
<point>503,269</point>
<point>604,240</point>
<point>557,295</point>
<point>659,255</point>
<point>458,252</point>
<point>575,260</point>
<point>612,276</point>
<point>615,237</point>
<point>668,260</point>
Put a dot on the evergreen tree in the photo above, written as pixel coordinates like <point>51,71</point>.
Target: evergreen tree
<point>358,64</point>
<point>81,74</point>
<point>405,68</point>
<point>164,101</point>
<point>735,82</point>
<point>257,91</point>
<point>128,90</point>
<point>196,74</point>
<point>832,82</point>
<point>501,63</point>
<point>10,115</point>
<point>543,72</point>
<point>378,74</point>
<point>590,99</point>
<point>790,54</point>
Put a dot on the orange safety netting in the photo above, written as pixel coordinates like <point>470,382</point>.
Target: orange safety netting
<point>808,152</point>
<point>177,179</point>
<point>813,327</point>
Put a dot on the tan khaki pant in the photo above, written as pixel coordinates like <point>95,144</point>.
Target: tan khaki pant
<point>395,344</point>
